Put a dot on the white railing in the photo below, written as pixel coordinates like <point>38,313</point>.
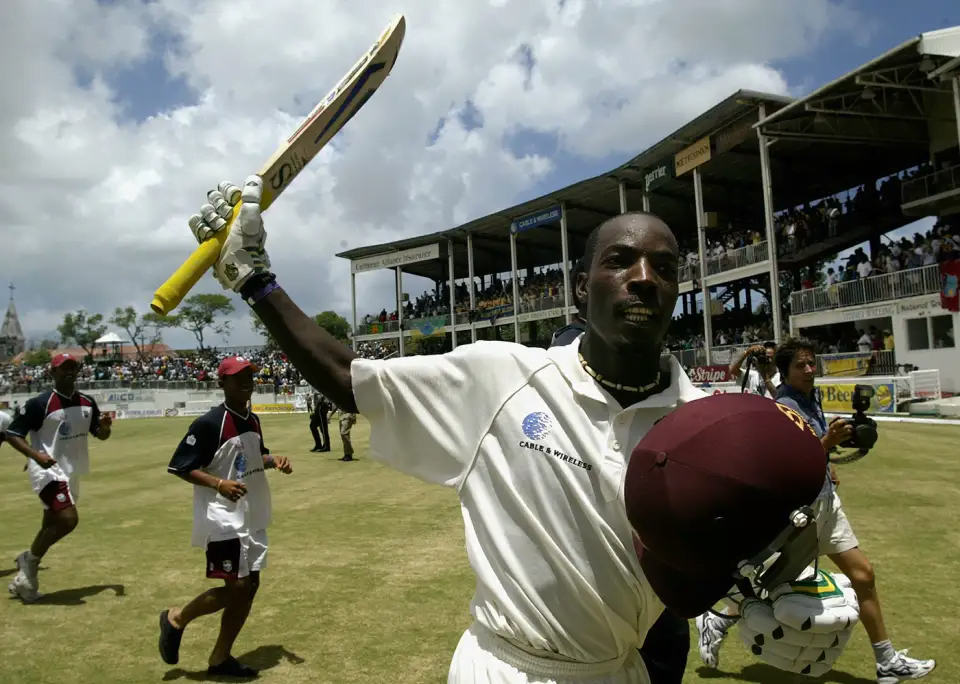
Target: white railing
<point>930,185</point>
<point>737,258</point>
<point>889,286</point>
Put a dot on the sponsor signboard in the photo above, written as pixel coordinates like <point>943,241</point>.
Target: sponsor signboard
<point>658,175</point>
<point>395,259</point>
<point>692,157</point>
<point>838,398</point>
<point>273,408</point>
<point>551,215</point>
<point>711,374</point>
<point>140,413</point>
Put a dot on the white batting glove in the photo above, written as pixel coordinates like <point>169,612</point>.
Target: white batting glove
<point>242,254</point>
<point>804,625</point>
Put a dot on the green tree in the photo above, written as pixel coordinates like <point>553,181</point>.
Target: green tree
<point>37,357</point>
<point>82,329</point>
<point>142,330</point>
<point>202,314</point>
<point>335,324</point>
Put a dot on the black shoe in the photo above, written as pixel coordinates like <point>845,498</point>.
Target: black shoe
<point>231,667</point>
<point>169,640</point>
<point>347,458</point>
<point>315,449</point>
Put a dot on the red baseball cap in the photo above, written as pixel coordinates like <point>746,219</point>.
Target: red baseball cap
<point>61,359</point>
<point>713,485</point>
<point>235,364</point>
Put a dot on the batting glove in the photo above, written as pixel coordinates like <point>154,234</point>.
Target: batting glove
<point>242,255</point>
<point>804,625</point>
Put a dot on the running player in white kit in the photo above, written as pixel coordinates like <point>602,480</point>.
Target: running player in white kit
<point>224,458</point>
<point>57,422</point>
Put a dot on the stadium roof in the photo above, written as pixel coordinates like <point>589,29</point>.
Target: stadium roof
<point>889,137</point>
<point>887,101</point>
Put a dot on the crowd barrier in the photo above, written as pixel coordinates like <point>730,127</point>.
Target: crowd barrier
<point>157,403</point>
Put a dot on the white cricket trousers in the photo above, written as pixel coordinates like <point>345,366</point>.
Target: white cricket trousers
<point>484,658</point>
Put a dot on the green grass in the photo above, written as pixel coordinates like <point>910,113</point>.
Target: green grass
<point>367,578</point>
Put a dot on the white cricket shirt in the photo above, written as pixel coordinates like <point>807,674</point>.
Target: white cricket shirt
<point>228,446</point>
<point>58,426</point>
<point>537,452</point>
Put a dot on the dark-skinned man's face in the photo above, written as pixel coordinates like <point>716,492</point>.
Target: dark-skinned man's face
<point>238,387</point>
<point>630,287</point>
<point>65,375</point>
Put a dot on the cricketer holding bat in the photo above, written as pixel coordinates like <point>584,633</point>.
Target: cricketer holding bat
<point>536,443</point>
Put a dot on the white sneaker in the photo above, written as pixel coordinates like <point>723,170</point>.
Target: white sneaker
<point>20,587</point>
<point>712,633</point>
<point>29,569</point>
<point>902,668</point>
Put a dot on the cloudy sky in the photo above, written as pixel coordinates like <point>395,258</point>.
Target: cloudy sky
<point>116,117</point>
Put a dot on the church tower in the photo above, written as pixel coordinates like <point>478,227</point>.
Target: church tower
<point>12,341</point>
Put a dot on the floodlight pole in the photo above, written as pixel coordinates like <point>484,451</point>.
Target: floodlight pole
<point>771,233</point>
<point>400,308</point>
<point>565,255</point>
<point>702,246</point>
<point>453,295</point>
<point>353,303</point>
<point>516,286</point>
<point>473,296</point>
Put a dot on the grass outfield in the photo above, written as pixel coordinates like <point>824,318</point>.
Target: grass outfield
<point>367,578</point>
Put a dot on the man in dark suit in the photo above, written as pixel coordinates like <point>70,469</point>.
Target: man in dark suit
<point>319,407</point>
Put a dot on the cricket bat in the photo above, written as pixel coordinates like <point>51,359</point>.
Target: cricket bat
<point>325,121</point>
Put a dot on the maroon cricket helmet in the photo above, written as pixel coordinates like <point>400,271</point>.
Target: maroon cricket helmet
<point>714,489</point>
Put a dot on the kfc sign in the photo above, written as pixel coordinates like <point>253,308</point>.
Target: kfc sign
<point>700,374</point>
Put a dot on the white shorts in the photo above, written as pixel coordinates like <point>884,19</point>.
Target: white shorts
<point>484,658</point>
<point>833,528</point>
<point>66,493</point>
<point>232,557</point>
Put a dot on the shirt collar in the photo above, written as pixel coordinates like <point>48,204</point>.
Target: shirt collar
<point>681,390</point>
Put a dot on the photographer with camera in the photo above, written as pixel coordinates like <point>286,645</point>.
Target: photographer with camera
<point>765,379</point>
<point>796,363</point>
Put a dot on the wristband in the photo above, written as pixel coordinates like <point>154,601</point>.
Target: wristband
<point>259,290</point>
<point>219,482</point>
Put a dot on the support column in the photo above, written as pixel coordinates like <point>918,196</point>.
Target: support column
<point>565,255</point>
<point>771,233</point>
<point>646,202</point>
<point>516,287</point>
<point>400,345</point>
<point>353,303</point>
<point>622,190</point>
<point>453,294</point>
<point>473,285</point>
<point>956,103</point>
<point>702,246</point>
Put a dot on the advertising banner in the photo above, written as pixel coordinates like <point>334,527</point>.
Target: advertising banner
<point>657,176</point>
<point>551,215</point>
<point>838,398</point>
<point>692,157</point>
<point>700,374</point>
<point>845,365</point>
<point>139,413</point>
<point>394,259</point>
<point>273,408</point>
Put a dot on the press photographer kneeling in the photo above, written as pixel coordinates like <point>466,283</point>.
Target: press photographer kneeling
<point>796,361</point>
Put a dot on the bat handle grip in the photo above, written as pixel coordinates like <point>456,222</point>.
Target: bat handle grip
<point>169,295</point>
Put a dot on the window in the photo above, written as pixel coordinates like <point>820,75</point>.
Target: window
<point>917,335</point>
<point>942,329</point>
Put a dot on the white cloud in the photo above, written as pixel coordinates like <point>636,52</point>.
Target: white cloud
<point>95,207</point>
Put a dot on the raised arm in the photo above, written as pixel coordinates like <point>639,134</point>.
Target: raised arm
<point>243,267</point>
